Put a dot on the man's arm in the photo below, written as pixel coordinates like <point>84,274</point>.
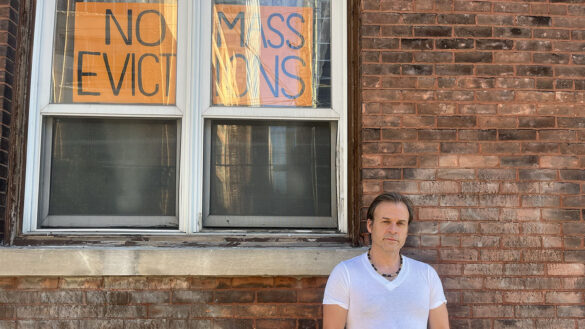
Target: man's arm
<point>438,318</point>
<point>334,316</point>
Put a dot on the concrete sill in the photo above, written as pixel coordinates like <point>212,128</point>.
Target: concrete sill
<point>144,261</point>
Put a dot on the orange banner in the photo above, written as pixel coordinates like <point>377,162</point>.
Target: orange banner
<point>262,55</point>
<point>125,53</point>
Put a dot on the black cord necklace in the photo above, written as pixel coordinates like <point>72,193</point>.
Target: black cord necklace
<point>391,275</point>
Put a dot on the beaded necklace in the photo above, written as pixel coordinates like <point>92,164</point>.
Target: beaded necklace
<point>391,275</point>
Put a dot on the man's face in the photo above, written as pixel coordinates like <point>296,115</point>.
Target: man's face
<point>389,227</point>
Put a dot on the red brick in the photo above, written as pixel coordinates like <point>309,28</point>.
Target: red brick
<point>438,213</point>
<point>559,162</point>
<point>542,283</point>
<point>483,269</point>
<point>500,228</point>
<point>478,109</point>
<point>273,323</point>
<point>403,186</point>
<point>566,269</point>
<point>478,161</point>
<point>252,282</point>
<point>371,161</point>
<point>518,297</point>
<point>496,122</point>
<point>456,174</point>
<point>37,283</point>
<point>459,282</point>
<point>455,95</point>
<point>168,283</point>
<point>552,242</point>
<point>8,283</point>
<point>310,295</point>
<point>523,269</point>
<point>399,161</point>
<point>439,187</point>
<point>233,324</point>
<point>210,283</point>
<point>535,311</point>
<point>220,296</point>
<point>480,241</point>
<point>554,324</point>
<point>558,297</point>
<point>459,254</point>
<point>125,282</point>
<point>571,312</point>
<point>493,311</point>
<point>398,108</point>
<point>314,282</point>
<point>541,228</point>
<point>277,296</point>
<point>449,161</point>
<point>483,214</point>
<point>542,255</point>
<point>399,5</point>
<point>521,241</point>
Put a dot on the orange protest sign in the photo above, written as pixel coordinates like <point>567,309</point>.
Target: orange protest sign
<point>125,53</point>
<point>262,55</point>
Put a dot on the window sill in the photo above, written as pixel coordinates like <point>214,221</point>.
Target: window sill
<point>165,261</point>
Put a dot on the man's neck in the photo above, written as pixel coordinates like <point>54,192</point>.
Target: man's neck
<point>385,261</point>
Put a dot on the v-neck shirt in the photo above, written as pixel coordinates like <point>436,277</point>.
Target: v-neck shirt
<point>374,302</point>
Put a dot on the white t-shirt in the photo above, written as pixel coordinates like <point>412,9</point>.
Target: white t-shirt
<point>373,302</point>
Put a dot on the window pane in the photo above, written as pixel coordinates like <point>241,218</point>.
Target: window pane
<point>115,52</point>
<point>109,167</point>
<point>271,53</point>
<point>271,169</point>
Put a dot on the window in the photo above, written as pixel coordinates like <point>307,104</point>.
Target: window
<point>173,116</point>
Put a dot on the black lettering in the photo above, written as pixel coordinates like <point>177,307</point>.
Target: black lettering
<point>140,87</point>
<point>217,76</point>
<point>168,71</point>
<point>110,16</point>
<point>163,28</point>
<point>133,74</point>
<point>81,74</point>
<point>240,17</point>
<point>246,65</point>
<point>116,88</point>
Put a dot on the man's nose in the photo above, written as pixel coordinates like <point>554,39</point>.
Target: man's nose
<point>392,228</point>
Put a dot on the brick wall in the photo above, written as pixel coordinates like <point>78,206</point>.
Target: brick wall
<point>8,23</point>
<point>476,109</point>
<point>161,302</point>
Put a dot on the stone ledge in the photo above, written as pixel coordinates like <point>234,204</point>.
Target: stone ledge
<point>77,261</point>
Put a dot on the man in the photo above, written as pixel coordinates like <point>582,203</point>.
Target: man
<point>382,289</point>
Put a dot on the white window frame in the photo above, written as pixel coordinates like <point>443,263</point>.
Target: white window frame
<point>193,107</point>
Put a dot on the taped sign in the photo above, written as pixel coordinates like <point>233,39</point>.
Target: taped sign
<point>125,53</point>
<point>262,55</point>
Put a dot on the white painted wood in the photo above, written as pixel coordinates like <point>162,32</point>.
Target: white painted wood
<point>193,106</point>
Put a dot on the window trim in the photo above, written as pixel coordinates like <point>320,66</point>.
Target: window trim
<point>337,112</point>
<point>40,106</point>
<point>276,222</point>
<point>191,122</point>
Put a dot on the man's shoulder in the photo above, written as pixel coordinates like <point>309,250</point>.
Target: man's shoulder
<point>352,262</point>
<point>418,265</point>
